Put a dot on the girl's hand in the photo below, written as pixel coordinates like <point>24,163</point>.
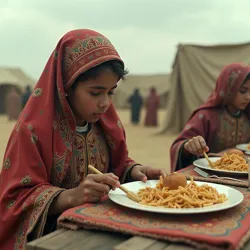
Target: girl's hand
<point>196,146</point>
<point>143,173</point>
<point>94,187</point>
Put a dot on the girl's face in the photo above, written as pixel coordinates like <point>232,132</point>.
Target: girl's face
<point>242,97</point>
<point>92,98</point>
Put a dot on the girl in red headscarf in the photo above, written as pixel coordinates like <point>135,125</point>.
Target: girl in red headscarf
<point>67,124</point>
<point>220,123</point>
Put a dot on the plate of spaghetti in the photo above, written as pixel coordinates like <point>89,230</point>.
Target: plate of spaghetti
<point>228,163</point>
<point>194,197</point>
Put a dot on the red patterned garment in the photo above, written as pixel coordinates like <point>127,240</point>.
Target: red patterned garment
<point>38,159</point>
<point>213,122</point>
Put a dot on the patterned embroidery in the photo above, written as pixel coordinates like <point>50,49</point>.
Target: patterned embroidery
<point>110,142</point>
<point>222,223</point>
<point>76,172</point>
<point>231,79</point>
<point>26,180</point>
<point>96,154</point>
<point>80,47</point>
<point>54,125</point>
<point>187,127</point>
<point>12,142</point>
<point>55,54</point>
<point>34,138</point>
<point>84,51</point>
<point>231,131</point>
<point>66,131</point>
<point>41,112</point>
<point>119,124</point>
<point>37,92</point>
<point>40,199</point>
<point>222,93</point>
<point>10,204</point>
<point>18,124</point>
<point>30,127</point>
<point>24,206</point>
<point>201,116</point>
<point>6,164</point>
<point>59,169</point>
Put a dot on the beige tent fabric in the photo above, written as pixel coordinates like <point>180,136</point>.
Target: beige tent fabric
<point>15,76</point>
<point>12,77</point>
<point>143,83</point>
<point>194,75</point>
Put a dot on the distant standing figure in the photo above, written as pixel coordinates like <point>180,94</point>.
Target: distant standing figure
<point>136,102</point>
<point>26,95</point>
<point>13,104</point>
<point>152,105</point>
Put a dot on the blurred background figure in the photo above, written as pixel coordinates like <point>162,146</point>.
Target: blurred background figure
<point>26,95</point>
<point>136,102</point>
<point>152,105</point>
<point>13,104</point>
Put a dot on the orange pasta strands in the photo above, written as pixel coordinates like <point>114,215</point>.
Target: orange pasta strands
<point>191,196</point>
<point>231,162</point>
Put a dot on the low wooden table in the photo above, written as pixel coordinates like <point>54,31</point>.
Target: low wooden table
<point>64,239</point>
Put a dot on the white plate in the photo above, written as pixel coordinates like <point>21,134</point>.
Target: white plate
<point>202,163</point>
<point>243,147</point>
<point>234,198</point>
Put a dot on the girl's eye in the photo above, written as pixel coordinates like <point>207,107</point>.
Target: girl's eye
<point>98,93</point>
<point>243,91</point>
<point>94,93</point>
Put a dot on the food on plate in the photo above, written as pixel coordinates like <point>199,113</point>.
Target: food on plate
<point>231,162</point>
<point>174,180</point>
<point>235,151</point>
<point>190,196</point>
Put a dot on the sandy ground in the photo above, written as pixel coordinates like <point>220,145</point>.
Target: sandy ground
<point>144,146</point>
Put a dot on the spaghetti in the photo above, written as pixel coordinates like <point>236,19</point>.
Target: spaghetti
<point>231,162</point>
<point>190,196</point>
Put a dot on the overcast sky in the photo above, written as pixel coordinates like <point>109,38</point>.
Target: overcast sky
<point>145,32</point>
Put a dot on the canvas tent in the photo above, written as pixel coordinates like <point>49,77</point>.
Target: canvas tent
<point>194,75</point>
<point>143,83</point>
<point>10,77</point>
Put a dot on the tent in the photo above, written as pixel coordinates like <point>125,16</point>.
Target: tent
<point>143,83</point>
<point>195,70</point>
<point>12,77</point>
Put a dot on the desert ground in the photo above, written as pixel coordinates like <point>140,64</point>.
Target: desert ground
<point>145,145</point>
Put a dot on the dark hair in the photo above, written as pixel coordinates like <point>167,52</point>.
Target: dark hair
<point>247,78</point>
<point>115,66</point>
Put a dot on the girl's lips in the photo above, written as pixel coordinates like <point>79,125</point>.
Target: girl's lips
<point>98,114</point>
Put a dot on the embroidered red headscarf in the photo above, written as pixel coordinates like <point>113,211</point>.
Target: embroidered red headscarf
<point>43,137</point>
<point>229,81</point>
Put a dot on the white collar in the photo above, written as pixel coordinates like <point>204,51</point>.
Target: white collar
<point>82,129</point>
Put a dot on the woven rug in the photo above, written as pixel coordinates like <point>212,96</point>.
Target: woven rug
<point>228,229</point>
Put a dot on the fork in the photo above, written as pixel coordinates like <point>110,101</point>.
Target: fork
<point>206,175</point>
